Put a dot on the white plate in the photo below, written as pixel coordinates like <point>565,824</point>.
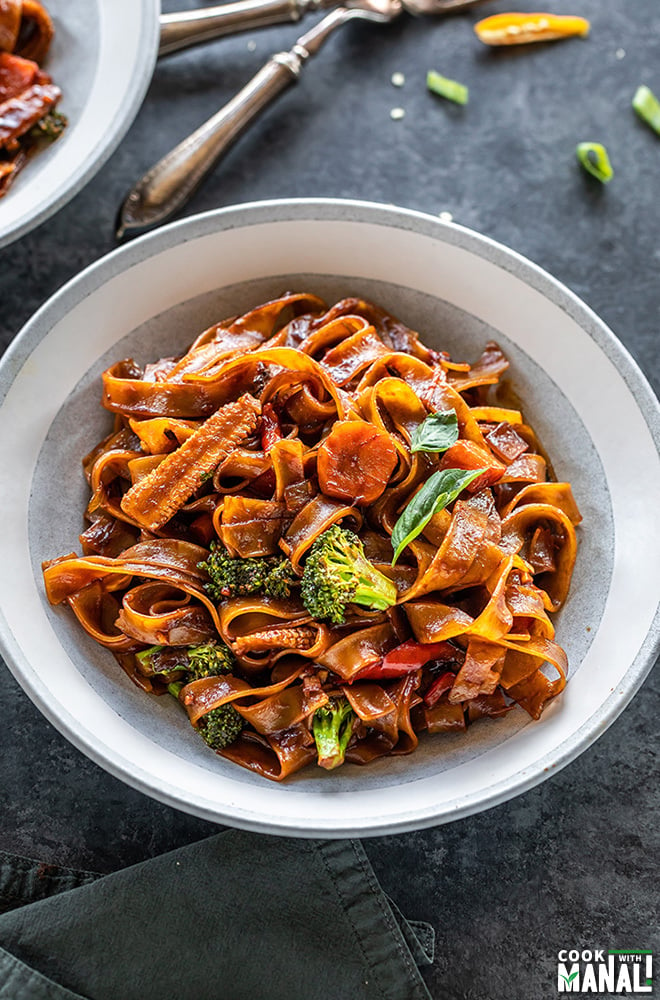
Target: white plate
<point>102,58</point>
<point>592,407</point>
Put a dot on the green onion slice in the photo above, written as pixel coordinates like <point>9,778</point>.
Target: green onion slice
<point>647,106</point>
<point>444,87</point>
<point>593,157</point>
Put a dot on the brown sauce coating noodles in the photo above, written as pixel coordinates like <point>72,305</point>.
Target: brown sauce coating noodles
<point>28,96</point>
<point>276,431</point>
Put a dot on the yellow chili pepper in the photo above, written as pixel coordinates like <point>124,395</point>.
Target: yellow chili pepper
<point>518,29</point>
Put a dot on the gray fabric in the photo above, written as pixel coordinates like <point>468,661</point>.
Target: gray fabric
<point>236,917</point>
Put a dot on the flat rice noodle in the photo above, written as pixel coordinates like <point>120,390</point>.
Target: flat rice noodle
<point>337,330</point>
<point>496,414</point>
<point>251,527</point>
<point>97,610</point>
<point>360,649</point>
<point>496,618</point>
<point>554,494</point>
<point>525,469</point>
<point>307,411</point>
<point>315,518</point>
<point>393,332</point>
<point>406,697</point>
<point>161,435</point>
<point>517,668</point>
<point>417,374</point>
<point>106,536</point>
<point>458,551</point>
<point>36,32</point>
<point>241,463</point>
<point>137,397</point>
<point>10,23</point>
<point>122,440</point>
<point>291,485</point>
<point>202,696</point>
<point>480,672</point>
<point>483,500</point>
<point>486,371</point>
<point>433,621</point>
<point>444,717</point>
<point>294,362</point>
<point>265,319</point>
<point>535,691</point>
<point>129,665</point>
<point>160,615</point>
<point>284,709</point>
<point>491,706</point>
<point>275,757</point>
<point>369,701</point>
<point>351,356</point>
<point>16,74</point>
<point>519,526</point>
<point>526,601</point>
<point>140,468</point>
<point>168,560</point>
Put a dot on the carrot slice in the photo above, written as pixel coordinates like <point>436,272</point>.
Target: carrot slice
<point>355,462</point>
<point>518,29</point>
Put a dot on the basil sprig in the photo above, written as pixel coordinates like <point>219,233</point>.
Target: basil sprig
<point>437,433</point>
<point>437,493</point>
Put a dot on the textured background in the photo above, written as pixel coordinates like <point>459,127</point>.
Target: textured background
<point>572,863</point>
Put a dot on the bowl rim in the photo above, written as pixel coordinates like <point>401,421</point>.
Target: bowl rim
<point>135,90</point>
<point>277,210</point>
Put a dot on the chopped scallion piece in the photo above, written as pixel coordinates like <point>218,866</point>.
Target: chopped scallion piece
<point>647,106</point>
<point>450,89</point>
<point>593,157</point>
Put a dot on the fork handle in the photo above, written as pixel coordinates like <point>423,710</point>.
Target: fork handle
<point>172,181</point>
<point>187,28</point>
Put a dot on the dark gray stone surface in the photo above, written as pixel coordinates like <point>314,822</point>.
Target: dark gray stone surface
<point>572,863</point>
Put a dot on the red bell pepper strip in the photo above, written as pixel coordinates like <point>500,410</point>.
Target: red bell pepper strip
<point>409,656</point>
<point>271,432</point>
<point>441,684</point>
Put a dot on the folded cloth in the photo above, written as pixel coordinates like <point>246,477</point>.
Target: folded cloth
<point>237,917</point>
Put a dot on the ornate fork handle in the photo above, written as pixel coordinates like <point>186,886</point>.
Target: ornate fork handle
<point>172,181</point>
<point>187,28</point>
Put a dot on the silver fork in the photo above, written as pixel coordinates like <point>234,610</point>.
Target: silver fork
<point>183,29</point>
<point>168,185</point>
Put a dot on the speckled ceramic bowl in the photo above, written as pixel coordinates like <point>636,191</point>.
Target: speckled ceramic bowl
<point>591,406</point>
<point>102,58</point>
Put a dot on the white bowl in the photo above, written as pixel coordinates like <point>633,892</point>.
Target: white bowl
<point>102,58</point>
<point>592,407</point>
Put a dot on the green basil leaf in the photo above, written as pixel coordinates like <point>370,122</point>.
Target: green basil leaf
<point>437,433</point>
<point>438,492</point>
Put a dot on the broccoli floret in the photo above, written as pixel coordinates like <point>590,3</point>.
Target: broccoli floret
<point>236,577</point>
<point>337,573</point>
<point>221,726</point>
<point>209,660</point>
<point>332,727</point>
<point>205,660</point>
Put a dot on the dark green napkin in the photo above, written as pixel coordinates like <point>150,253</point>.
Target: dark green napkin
<point>236,917</point>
